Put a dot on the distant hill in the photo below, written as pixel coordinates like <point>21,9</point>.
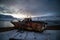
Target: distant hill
<point>51,20</point>
<point>48,18</point>
<point>6,17</point>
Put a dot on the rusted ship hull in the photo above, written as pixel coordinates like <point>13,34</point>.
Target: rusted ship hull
<point>28,24</point>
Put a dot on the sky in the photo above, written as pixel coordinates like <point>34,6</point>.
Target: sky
<point>44,9</point>
<point>22,8</point>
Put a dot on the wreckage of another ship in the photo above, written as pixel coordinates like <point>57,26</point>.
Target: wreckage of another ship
<point>30,25</point>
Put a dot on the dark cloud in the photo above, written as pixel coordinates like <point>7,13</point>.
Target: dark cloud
<point>5,10</point>
<point>34,7</point>
<point>1,9</point>
<point>47,9</point>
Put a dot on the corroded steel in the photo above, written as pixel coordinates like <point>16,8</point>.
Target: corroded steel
<point>28,24</point>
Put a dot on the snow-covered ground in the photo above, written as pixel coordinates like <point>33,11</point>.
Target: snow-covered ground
<point>46,35</point>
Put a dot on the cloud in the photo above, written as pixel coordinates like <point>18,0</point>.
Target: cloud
<point>37,8</point>
<point>32,7</point>
<point>4,9</point>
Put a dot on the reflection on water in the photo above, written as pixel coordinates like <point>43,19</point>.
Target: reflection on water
<point>6,24</point>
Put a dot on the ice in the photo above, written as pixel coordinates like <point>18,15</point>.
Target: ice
<point>47,35</point>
